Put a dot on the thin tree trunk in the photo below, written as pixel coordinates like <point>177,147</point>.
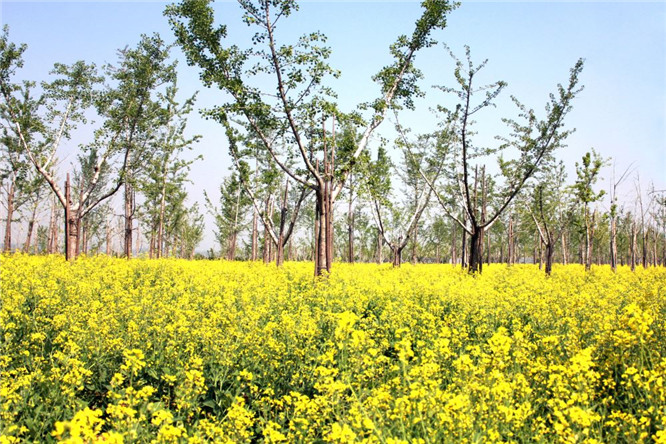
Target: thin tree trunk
<point>267,240</point>
<point>633,245</point>
<point>380,243</point>
<point>255,235</point>
<point>350,223</point>
<point>415,244</point>
<point>454,255</point>
<point>53,228</point>
<point>279,260</point>
<point>31,227</point>
<point>71,225</point>
<point>511,253</point>
<point>10,214</point>
<point>549,256</point>
<point>613,243</point>
<point>564,249</point>
<point>129,219</point>
<point>589,241</point>
<point>463,249</point>
<point>322,264</point>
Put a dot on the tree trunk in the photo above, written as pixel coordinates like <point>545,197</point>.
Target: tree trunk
<point>589,241</point>
<point>644,236</point>
<point>10,214</point>
<point>397,253</point>
<point>511,247</point>
<point>549,256</point>
<point>255,235</point>
<point>380,243</point>
<point>267,238</point>
<point>476,251</point>
<point>350,224</point>
<point>565,254</point>
<point>454,255</point>
<point>84,238</point>
<point>613,244</point>
<point>415,244</point>
<point>129,219</point>
<point>53,228</point>
<point>71,225</point>
<point>463,250</point>
<point>324,247</point>
<point>31,227</point>
<point>634,233</point>
<point>279,260</point>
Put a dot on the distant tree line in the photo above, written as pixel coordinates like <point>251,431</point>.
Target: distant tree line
<point>308,180</point>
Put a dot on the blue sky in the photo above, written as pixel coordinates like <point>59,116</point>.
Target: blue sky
<point>531,45</point>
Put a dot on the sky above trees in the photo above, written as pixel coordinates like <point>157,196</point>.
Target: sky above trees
<point>530,45</point>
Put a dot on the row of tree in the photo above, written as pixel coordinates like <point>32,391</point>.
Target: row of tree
<point>136,149</point>
<point>310,181</point>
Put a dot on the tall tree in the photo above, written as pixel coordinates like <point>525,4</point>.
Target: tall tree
<point>133,112</point>
<point>164,169</point>
<point>587,172</point>
<point>299,71</point>
<point>21,183</point>
<point>534,139</point>
<point>549,211</point>
<point>67,98</point>
<point>230,216</point>
<point>614,210</point>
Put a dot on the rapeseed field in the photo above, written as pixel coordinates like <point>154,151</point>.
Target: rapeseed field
<point>109,350</point>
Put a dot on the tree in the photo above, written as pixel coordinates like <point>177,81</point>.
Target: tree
<point>587,173</point>
<point>615,183</point>
<point>165,170</point>
<point>548,210</point>
<point>534,140</point>
<point>234,205</point>
<point>299,70</point>
<point>21,183</point>
<point>133,113</point>
<point>66,99</point>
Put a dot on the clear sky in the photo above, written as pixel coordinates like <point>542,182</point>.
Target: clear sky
<point>530,45</point>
